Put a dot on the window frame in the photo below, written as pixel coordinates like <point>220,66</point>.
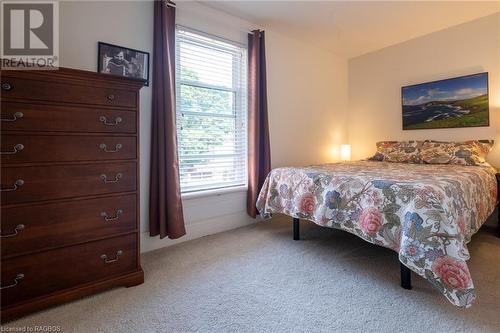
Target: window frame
<point>239,114</point>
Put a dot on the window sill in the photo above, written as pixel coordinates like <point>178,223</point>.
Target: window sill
<point>210,193</point>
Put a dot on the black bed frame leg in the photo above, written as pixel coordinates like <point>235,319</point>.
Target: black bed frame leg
<point>498,220</point>
<point>296,231</point>
<point>405,277</point>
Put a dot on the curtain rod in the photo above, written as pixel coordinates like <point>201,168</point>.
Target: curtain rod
<point>170,3</point>
<point>212,35</point>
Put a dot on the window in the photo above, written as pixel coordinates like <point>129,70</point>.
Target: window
<point>211,111</point>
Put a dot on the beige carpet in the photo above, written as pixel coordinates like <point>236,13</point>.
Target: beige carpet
<point>257,279</point>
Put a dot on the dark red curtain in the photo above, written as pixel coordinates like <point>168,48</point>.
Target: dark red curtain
<point>259,152</point>
<point>165,205</point>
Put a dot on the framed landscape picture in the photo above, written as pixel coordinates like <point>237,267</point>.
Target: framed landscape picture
<point>458,102</point>
<point>122,61</point>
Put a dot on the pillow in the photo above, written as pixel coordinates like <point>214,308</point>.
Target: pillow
<point>472,152</point>
<point>398,151</point>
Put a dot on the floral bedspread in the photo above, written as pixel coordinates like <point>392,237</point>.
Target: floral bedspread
<point>427,213</point>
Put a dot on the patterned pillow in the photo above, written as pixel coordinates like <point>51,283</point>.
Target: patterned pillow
<point>398,151</point>
<point>472,152</point>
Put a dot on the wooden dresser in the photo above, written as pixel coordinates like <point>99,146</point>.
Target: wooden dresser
<point>69,187</point>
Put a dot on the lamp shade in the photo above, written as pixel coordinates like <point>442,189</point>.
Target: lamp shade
<point>345,152</point>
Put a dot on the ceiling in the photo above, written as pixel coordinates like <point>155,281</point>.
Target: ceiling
<point>353,28</point>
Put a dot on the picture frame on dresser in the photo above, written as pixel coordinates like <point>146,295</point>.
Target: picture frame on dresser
<point>123,61</point>
<point>69,187</point>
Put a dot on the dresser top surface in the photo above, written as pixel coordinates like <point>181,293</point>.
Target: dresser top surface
<point>63,73</point>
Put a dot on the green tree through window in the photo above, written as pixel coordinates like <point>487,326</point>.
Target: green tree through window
<point>211,112</point>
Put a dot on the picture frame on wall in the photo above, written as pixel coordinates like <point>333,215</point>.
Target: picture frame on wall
<point>123,61</point>
<point>451,103</point>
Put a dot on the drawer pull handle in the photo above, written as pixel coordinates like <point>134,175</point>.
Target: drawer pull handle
<point>15,117</point>
<point>17,184</point>
<point>6,87</point>
<point>115,259</point>
<point>110,97</point>
<point>15,283</point>
<point>17,229</point>
<point>104,148</point>
<point>18,147</point>
<point>105,121</point>
<point>112,218</point>
<point>105,179</point>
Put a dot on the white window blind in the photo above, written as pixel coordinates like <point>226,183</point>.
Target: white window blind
<point>211,111</point>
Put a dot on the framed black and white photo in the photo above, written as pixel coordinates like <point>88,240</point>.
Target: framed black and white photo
<point>123,61</point>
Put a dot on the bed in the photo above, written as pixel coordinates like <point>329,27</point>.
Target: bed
<point>427,213</point>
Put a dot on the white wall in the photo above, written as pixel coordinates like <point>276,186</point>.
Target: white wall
<point>307,92</point>
<point>307,101</point>
<point>375,82</point>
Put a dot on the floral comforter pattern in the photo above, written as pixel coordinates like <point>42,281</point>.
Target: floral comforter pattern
<point>427,213</point>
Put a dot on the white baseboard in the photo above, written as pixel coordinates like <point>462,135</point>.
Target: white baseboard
<point>198,229</point>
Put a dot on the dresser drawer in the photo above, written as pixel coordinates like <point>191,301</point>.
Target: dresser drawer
<point>42,273</point>
<point>65,92</point>
<point>37,227</point>
<point>26,148</point>
<point>35,183</point>
<point>41,117</point>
